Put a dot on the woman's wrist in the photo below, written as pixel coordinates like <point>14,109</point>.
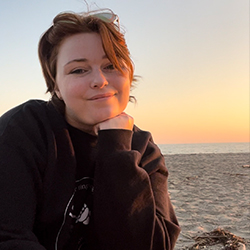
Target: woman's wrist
<point>122,121</point>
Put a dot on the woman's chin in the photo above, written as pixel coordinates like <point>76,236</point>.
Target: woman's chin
<point>106,117</point>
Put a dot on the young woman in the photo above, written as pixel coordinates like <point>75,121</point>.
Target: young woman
<point>75,172</point>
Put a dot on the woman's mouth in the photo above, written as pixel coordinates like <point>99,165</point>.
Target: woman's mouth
<point>101,97</point>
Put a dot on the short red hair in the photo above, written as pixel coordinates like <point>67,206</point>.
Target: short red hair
<point>68,24</point>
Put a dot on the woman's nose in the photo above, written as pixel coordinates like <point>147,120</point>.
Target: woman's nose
<point>99,80</point>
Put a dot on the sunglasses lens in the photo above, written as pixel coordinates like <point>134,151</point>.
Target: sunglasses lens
<point>105,16</point>
<point>108,17</point>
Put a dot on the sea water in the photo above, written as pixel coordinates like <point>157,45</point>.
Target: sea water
<point>205,148</point>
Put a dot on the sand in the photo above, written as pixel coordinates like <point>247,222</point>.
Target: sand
<point>210,191</point>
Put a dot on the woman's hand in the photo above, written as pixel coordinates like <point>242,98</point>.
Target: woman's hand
<point>122,121</point>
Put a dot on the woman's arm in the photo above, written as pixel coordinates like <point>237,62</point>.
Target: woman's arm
<point>19,184</point>
<point>132,209</point>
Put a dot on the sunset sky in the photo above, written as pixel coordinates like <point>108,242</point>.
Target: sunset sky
<point>192,56</point>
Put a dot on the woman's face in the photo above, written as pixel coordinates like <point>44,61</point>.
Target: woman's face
<point>92,89</point>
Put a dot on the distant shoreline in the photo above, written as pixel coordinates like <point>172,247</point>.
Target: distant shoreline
<point>166,155</point>
<point>241,147</point>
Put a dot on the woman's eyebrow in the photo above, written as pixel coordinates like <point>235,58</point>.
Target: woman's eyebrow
<point>77,60</point>
<point>82,60</point>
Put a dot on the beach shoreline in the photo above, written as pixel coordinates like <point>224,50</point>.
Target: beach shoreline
<point>210,191</point>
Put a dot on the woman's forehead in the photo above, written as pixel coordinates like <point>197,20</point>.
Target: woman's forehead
<point>83,46</point>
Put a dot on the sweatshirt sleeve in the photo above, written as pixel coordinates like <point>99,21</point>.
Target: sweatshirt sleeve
<point>132,209</point>
<point>19,183</point>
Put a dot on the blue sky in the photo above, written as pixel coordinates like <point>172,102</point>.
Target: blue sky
<point>192,55</point>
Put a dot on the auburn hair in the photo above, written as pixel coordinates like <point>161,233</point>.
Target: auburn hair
<point>68,24</point>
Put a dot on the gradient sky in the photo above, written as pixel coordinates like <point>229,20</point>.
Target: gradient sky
<point>192,56</point>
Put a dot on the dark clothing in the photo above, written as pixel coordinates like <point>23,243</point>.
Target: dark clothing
<point>61,188</point>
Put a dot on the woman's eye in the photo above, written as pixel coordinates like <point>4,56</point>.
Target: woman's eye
<point>78,71</point>
<point>110,67</point>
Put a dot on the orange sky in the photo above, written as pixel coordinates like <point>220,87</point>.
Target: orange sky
<point>193,57</point>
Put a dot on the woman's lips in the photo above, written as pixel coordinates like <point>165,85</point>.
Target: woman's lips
<point>101,97</point>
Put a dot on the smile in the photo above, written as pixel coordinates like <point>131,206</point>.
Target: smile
<point>101,97</point>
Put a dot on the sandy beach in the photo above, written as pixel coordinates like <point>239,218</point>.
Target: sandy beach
<point>210,191</point>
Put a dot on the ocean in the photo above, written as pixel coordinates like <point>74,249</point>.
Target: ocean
<point>205,148</point>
